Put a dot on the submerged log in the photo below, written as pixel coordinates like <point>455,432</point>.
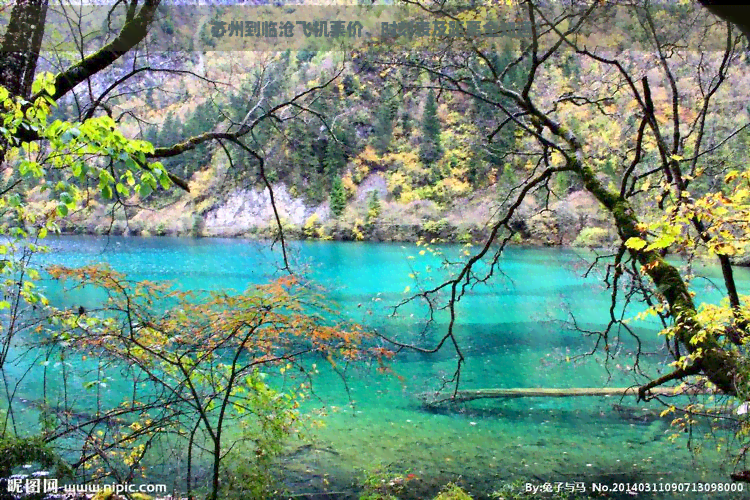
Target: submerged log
<point>641,413</point>
<point>69,413</point>
<point>469,395</point>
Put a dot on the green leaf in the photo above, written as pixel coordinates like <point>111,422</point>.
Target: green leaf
<point>165,182</point>
<point>635,243</point>
<point>66,198</point>
<point>106,192</point>
<point>62,210</point>
<point>69,135</point>
<point>105,178</point>
<point>148,178</point>
<point>143,189</point>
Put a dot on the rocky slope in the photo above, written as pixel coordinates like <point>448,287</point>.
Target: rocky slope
<point>575,219</point>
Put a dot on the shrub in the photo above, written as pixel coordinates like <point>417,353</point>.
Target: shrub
<point>465,237</point>
<point>198,226</point>
<point>592,237</point>
<point>18,451</point>
<point>312,227</point>
<point>452,492</point>
<point>436,228</point>
<point>249,471</point>
<point>350,188</point>
<point>357,229</point>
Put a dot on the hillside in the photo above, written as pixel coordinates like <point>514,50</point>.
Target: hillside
<point>373,153</point>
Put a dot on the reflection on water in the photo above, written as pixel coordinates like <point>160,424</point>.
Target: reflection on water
<point>514,332</point>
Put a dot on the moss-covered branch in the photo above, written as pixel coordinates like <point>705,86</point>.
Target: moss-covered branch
<point>131,34</point>
<point>717,363</point>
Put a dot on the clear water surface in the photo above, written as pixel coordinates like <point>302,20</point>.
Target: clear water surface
<point>515,332</point>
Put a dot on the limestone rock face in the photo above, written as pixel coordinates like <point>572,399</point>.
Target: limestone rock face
<point>247,209</point>
<point>373,182</point>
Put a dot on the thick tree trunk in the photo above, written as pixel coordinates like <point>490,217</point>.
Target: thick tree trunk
<point>739,15</point>
<point>131,34</point>
<point>718,364</point>
<point>21,45</point>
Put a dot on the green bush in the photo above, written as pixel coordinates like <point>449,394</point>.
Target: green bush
<point>436,228</point>
<point>379,485</point>
<point>373,208</point>
<point>198,226</point>
<point>465,237</point>
<point>18,451</point>
<point>270,422</point>
<point>592,237</point>
<point>453,492</point>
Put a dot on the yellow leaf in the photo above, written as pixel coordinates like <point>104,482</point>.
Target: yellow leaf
<point>667,411</point>
<point>635,243</point>
<point>662,241</point>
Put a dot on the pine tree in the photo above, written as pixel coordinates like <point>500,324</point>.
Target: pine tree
<point>171,131</point>
<point>383,126</point>
<point>303,159</point>
<point>338,198</point>
<point>373,207</point>
<point>430,150</point>
<point>334,160</point>
<point>197,124</point>
<point>488,112</point>
<point>406,123</point>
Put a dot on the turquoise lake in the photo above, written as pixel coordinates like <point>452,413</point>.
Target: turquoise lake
<point>515,332</point>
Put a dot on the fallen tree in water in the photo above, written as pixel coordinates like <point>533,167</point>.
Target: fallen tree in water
<point>435,399</point>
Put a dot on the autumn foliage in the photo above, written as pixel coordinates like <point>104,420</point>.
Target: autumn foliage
<point>198,361</point>
<point>271,323</point>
